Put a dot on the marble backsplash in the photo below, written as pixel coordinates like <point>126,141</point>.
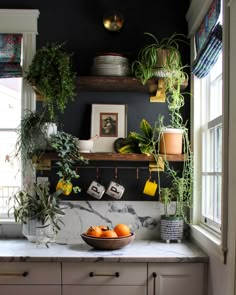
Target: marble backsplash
<point>143,217</point>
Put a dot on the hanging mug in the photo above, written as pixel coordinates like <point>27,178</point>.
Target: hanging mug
<point>150,187</point>
<point>115,190</point>
<point>96,189</point>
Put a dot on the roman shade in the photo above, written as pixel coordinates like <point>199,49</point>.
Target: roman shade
<point>208,41</point>
<point>10,55</point>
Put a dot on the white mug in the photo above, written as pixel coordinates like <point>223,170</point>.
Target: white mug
<point>115,190</point>
<point>96,190</point>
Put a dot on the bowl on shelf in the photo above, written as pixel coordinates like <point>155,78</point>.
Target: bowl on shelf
<point>85,146</point>
<point>108,243</point>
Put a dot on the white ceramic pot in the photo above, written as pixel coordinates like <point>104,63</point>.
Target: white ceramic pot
<point>35,233</point>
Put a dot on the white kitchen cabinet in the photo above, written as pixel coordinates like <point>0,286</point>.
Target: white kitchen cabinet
<point>104,278</point>
<point>176,278</point>
<point>30,278</point>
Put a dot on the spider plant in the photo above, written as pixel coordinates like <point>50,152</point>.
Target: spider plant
<point>36,202</point>
<point>155,56</point>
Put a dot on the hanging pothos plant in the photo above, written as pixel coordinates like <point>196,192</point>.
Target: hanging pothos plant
<point>51,74</point>
<point>68,152</point>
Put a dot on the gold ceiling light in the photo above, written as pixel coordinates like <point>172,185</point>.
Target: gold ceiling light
<point>113,21</point>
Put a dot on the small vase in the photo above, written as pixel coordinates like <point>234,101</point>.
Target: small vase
<point>35,233</point>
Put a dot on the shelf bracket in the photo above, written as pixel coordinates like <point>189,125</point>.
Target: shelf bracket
<point>41,164</point>
<point>157,166</point>
<point>160,93</point>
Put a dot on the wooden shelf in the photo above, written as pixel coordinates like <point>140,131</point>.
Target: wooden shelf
<point>116,157</point>
<point>126,84</point>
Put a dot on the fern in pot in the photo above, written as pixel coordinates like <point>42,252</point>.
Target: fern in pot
<point>39,212</point>
<point>34,134</point>
<point>51,75</point>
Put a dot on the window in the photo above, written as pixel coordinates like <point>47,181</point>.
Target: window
<point>208,129</point>
<point>10,114</point>
<point>211,133</point>
<point>16,96</point>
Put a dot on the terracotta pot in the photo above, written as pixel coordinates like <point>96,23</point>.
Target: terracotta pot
<point>171,141</point>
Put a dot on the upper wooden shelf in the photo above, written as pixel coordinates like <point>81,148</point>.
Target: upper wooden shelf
<point>126,84</point>
<point>117,157</point>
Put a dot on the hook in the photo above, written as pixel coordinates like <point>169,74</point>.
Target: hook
<point>97,173</point>
<point>116,176</point>
<point>150,175</point>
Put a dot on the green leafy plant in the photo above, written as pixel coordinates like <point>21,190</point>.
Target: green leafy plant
<point>144,142</point>
<point>161,55</point>
<point>36,202</point>
<point>68,152</point>
<point>32,134</point>
<point>51,74</point>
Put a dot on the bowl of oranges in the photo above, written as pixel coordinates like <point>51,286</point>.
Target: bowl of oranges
<point>104,238</point>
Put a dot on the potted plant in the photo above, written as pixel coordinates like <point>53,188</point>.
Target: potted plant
<point>39,211</point>
<point>67,150</point>
<point>158,59</point>
<point>172,225</point>
<point>50,73</point>
<point>34,134</point>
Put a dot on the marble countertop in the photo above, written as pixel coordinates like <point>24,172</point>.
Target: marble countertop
<point>139,251</point>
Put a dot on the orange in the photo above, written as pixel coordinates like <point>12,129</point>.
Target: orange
<point>122,230</point>
<point>109,233</point>
<point>104,227</point>
<point>94,231</point>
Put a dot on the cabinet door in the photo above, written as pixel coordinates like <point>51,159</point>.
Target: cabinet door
<point>101,290</point>
<point>30,290</point>
<point>176,278</point>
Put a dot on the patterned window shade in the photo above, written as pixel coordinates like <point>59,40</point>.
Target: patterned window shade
<point>10,55</point>
<point>208,39</point>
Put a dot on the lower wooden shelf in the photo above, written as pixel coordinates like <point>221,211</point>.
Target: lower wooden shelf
<point>115,157</point>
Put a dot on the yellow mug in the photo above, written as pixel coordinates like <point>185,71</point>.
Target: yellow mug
<point>150,188</point>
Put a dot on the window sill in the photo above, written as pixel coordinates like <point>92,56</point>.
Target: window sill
<point>209,242</point>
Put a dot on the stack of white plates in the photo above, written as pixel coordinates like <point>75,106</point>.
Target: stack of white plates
<point>110,64</point>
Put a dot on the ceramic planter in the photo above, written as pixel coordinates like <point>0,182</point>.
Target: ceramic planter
<point>171,141</point>
<point>171,228</point>
<point>35,233</point>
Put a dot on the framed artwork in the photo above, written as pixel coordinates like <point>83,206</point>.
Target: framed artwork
<point>108,122</point>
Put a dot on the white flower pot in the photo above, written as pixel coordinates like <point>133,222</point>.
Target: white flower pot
<point>35,233</point>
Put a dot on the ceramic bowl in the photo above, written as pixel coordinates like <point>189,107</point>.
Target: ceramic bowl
<point>85,146</point>
<point>108,243</point>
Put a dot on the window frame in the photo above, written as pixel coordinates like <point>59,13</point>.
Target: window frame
<point>210,240</point>
<point>24,22</point>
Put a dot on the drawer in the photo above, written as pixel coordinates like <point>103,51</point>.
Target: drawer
<point>31,273</point>
<point>104,273</point>
<point>30,290</point>
<point>108,290</point>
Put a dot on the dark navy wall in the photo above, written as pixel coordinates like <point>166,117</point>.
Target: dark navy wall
<point>79,23</point>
